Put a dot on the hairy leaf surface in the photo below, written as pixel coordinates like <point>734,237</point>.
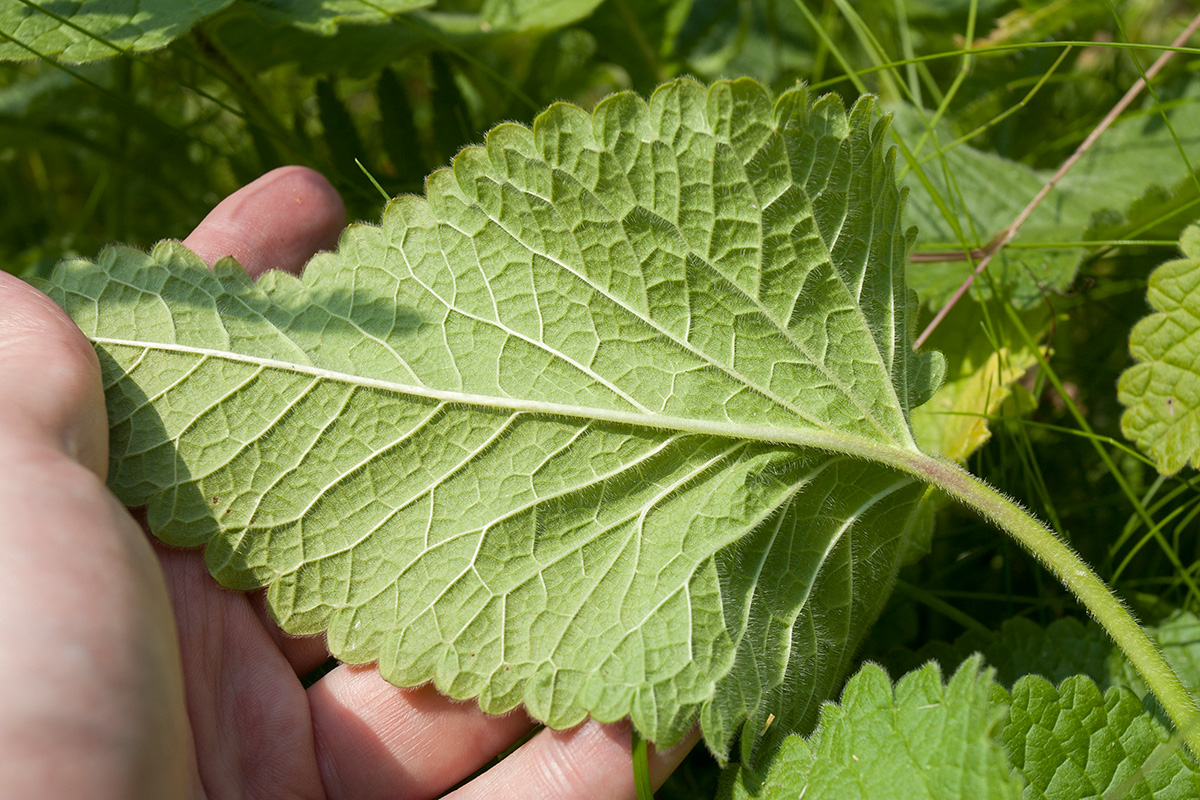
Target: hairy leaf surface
<point>1162,393</point>
<point>546,435</point>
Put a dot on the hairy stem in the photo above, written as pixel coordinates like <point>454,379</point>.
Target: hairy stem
<point>1076,575</point>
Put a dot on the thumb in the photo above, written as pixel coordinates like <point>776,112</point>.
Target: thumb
<point>50,389</point>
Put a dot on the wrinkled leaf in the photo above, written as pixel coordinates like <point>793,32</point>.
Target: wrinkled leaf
<point>1072,743</point>
<point>1179,638</point>
<point>1020,647</point>
<point>1162,393</point>
<point>541,437</point>
<point>917,740</point>
<point>1061,649</point>
<point>970,739</point>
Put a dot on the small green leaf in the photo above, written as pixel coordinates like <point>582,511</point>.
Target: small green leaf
<point>919,740</point>
<point>954,423</point>
<point>535,14</point>
<point>1162,393</point>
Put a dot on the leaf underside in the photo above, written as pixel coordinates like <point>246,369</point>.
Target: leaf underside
<point>1162,393</point>
<point>542,436</point>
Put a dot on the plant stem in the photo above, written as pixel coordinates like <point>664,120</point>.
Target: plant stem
<point>1077,576</point>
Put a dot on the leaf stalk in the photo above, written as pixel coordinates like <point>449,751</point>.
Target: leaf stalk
<point>1074,573</point>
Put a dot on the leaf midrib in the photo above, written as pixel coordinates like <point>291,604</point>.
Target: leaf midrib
<point>885,452</point>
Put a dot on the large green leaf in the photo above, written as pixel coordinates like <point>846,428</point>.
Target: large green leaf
<point>550,434</point>
<point>1162,392</point>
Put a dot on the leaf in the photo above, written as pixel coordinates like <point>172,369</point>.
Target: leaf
<point>326,16</point>
<point>535,14</point>
<point>1061,649</point>
<point>1041,22</point>
<point>984,364</point>
<point>1162,393</point>
<point>87,31</point>
<point>987,193</point>
<point>261,42</point>
<point>1020,647</point>
<point>1130,162</point>
<point>1072,743</point>
<point>971,739</point>
<point>919,740</point>
<point>550,434</point>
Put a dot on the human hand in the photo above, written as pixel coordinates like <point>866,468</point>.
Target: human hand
<point>130,673</point>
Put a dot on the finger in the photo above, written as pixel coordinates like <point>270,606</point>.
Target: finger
<point>304,653</point>
<point>187,573</point>
<point>375,740</point>
<point>277,222</point>
<point>591,761</point>
<point>51,389</point>
<point>248,712</point>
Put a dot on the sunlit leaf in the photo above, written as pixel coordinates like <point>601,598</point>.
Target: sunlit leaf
<point>564,432</point>
<point>1162,392</point>
<point>917,740</point>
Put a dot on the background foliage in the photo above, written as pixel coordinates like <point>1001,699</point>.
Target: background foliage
<point>131,132</point>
